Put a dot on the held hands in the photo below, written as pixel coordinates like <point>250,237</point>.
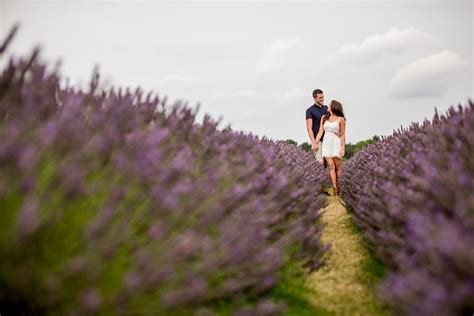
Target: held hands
<point>315,147</point>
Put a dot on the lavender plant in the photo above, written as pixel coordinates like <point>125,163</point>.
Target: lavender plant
<point>411,193</point>
<point>113,203</point>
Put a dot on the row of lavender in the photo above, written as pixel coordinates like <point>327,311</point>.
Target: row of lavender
<point>412,193</point>
<point>112,203</point>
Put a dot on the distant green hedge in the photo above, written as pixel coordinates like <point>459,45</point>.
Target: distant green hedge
<point>351,149</point>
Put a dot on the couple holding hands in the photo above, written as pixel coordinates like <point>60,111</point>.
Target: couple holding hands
<point>326,127</point>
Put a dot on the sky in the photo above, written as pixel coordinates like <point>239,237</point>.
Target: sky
<point>254,64</point>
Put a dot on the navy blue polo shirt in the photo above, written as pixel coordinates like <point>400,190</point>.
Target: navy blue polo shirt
<point>315,112</point>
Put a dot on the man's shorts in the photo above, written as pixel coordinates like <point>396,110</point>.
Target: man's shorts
<point>318,154</point>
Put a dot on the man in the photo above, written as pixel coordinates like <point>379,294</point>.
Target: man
<point>313,120</point>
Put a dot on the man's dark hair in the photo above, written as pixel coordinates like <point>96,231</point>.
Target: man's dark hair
<point>316,92</point>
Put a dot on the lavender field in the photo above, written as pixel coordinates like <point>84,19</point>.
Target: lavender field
<point>412,195</point>
<point>114,202</point>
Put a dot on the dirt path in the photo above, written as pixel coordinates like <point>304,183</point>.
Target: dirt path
<point>343,286</point>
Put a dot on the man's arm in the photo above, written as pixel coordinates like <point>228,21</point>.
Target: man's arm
<point>309,128</point>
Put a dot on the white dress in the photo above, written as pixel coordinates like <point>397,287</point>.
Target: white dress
<point>331,146</point>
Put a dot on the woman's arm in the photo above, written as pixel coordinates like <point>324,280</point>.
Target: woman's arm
<point>342,128</point>
<point>320,132</point>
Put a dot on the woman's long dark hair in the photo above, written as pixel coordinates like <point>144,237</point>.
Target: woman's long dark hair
<point>336,108</point>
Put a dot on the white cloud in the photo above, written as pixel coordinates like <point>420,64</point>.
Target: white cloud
<point>242,106</point>
<point>278,54</point>
<point>274,97</point>
<point>393,42</point>
<point>429,76</point>
<point>235,95</point>
<point>295,93</point>
<point>175,79</point>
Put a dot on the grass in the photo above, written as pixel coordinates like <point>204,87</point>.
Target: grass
<point>345,285</point>
<point>294,290</point>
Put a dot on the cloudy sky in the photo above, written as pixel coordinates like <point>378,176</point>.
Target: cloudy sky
<point>255,64</point>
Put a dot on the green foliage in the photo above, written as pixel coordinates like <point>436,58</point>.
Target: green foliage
<point>306,146</point>
<point>351,149</point>
<point>291,142</point>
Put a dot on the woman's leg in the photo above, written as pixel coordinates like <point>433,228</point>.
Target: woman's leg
<point>332,171</point>
<point>337,165</point>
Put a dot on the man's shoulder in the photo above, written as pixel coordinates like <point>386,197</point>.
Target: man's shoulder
<point>313,108</point>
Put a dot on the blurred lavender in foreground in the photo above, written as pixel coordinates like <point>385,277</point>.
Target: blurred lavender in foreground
<point>111,204</point>
<point>412,193</point>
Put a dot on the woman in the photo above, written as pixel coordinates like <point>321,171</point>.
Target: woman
<point>333,145</point>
